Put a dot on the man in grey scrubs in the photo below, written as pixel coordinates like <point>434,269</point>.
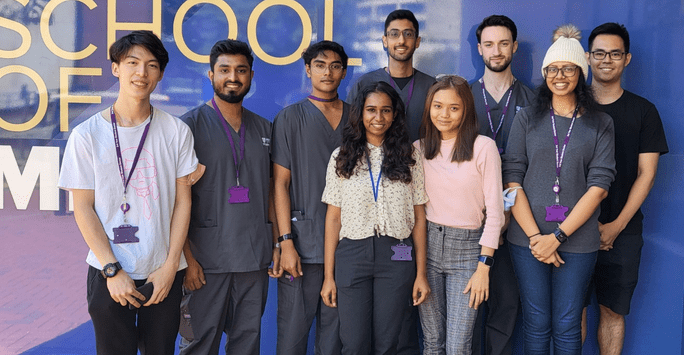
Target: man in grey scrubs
<point>229,245</point>
<point>401,40</point>
<point>304,136</point>
<point>498,97</point>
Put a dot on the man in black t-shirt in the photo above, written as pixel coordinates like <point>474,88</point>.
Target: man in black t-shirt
<point>639,142</point>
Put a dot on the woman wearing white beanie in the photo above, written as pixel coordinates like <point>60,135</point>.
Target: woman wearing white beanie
<point>561,152</point>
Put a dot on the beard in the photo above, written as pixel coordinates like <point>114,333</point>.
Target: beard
<point>232,97</point>
<point>501,67</point>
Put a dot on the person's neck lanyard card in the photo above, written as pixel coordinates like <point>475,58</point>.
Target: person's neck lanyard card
<point>238,194</point>
<point>402,252</point>
<point>556,212</point>
<point>125,233</point>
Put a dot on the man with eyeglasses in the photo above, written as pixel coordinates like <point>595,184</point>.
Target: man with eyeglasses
<point>498,96</point>
<point>304,136</point>
<point>401,39</point>
<point>229,245</point>
<point>639,142</point>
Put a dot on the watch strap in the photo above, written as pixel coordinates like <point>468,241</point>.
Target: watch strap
<point>285,237</point>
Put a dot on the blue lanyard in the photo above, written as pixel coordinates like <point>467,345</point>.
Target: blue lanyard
<point>374,185</point>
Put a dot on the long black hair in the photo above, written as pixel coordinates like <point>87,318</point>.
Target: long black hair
<point>584,96</point>
<point>397,149</point>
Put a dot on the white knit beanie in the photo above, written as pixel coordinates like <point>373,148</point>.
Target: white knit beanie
<point>566,48</point>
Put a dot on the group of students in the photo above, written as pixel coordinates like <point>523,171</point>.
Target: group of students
<point>362,209</point>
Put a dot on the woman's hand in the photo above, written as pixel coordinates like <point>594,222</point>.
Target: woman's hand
<point>544,248</point>
<point>329,292</point>
<point>421,289</point>
<point>478,286</point>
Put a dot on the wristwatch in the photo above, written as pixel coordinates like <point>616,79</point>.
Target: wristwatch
<point>560,235</point>
<point>487,260</point>
<point>285,237</point>
<point>111,269</point>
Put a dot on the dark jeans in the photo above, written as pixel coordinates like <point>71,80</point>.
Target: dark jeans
<point>121,331</point>
<point>552,300</point>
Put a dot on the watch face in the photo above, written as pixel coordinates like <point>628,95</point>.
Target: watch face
<point>110,271</point>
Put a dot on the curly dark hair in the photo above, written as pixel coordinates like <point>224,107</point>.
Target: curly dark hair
<point>397,148</point>
<point>584,96</point>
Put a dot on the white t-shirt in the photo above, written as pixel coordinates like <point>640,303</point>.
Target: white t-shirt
<point>90,162</point>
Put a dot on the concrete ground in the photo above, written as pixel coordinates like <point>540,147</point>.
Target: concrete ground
<point>42,276</point>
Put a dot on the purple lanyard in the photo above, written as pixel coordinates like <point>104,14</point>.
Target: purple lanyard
<point>374,185</point>
<point>559,158</point>
<point>489,115</point>
<point>410,92</point>
<point>125,206</point>
<point>232,144</point>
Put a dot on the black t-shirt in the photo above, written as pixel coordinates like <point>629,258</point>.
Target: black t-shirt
<point>638,129</point>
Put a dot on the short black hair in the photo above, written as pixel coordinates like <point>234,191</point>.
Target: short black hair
<point>147,39</point>
<point>497,20</point>
<point>232,47</point>
<point>402,14</point>
<point>317,48</point>
<point>610,28</point>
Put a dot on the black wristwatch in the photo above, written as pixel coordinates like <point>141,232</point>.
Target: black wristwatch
<point>486,259</point>
<point>560,235</point>
<point>285,237</point>
<point>111,269</point>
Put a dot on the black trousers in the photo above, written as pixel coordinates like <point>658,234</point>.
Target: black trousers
<point>494,328</point>
<point>121,331</point>
<point>373,294</point>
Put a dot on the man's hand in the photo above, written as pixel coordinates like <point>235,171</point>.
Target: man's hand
<point>276,271</point>
<point>329,292</point>
<point>194,275</point>
<point>122,289</point>
<point>162,279</point>
<point>289,259</point>
<point>609,232</point>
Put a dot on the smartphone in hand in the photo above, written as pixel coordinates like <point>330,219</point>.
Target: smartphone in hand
<point>146,290</point>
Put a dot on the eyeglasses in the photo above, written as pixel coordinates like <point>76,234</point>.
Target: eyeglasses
<point>614,55</point>
<point>569,71</point>
<point>408,34</point>
<point>319,68</point>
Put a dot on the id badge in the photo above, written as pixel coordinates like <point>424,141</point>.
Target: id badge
<point>556,213</point>
<point>125,233</point>
<point>238,194</point>
<point>402,252</point>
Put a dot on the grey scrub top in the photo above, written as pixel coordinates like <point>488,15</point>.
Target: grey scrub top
<point>227,237</point>
<point>303,141</point>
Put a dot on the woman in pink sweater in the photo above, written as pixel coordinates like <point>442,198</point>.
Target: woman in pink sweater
<point>464,213</point>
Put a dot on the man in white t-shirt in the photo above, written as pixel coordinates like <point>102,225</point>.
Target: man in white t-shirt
<point>129,168</point>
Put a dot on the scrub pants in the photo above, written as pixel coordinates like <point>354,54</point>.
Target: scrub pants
<point>552,300</point>
<point>373,292</point>
<point>497,316</point>
<point>121,331</point>
<point>232,303</point>
<point>299,301</point>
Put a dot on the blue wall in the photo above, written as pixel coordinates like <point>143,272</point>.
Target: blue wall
<point>448,46</point>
